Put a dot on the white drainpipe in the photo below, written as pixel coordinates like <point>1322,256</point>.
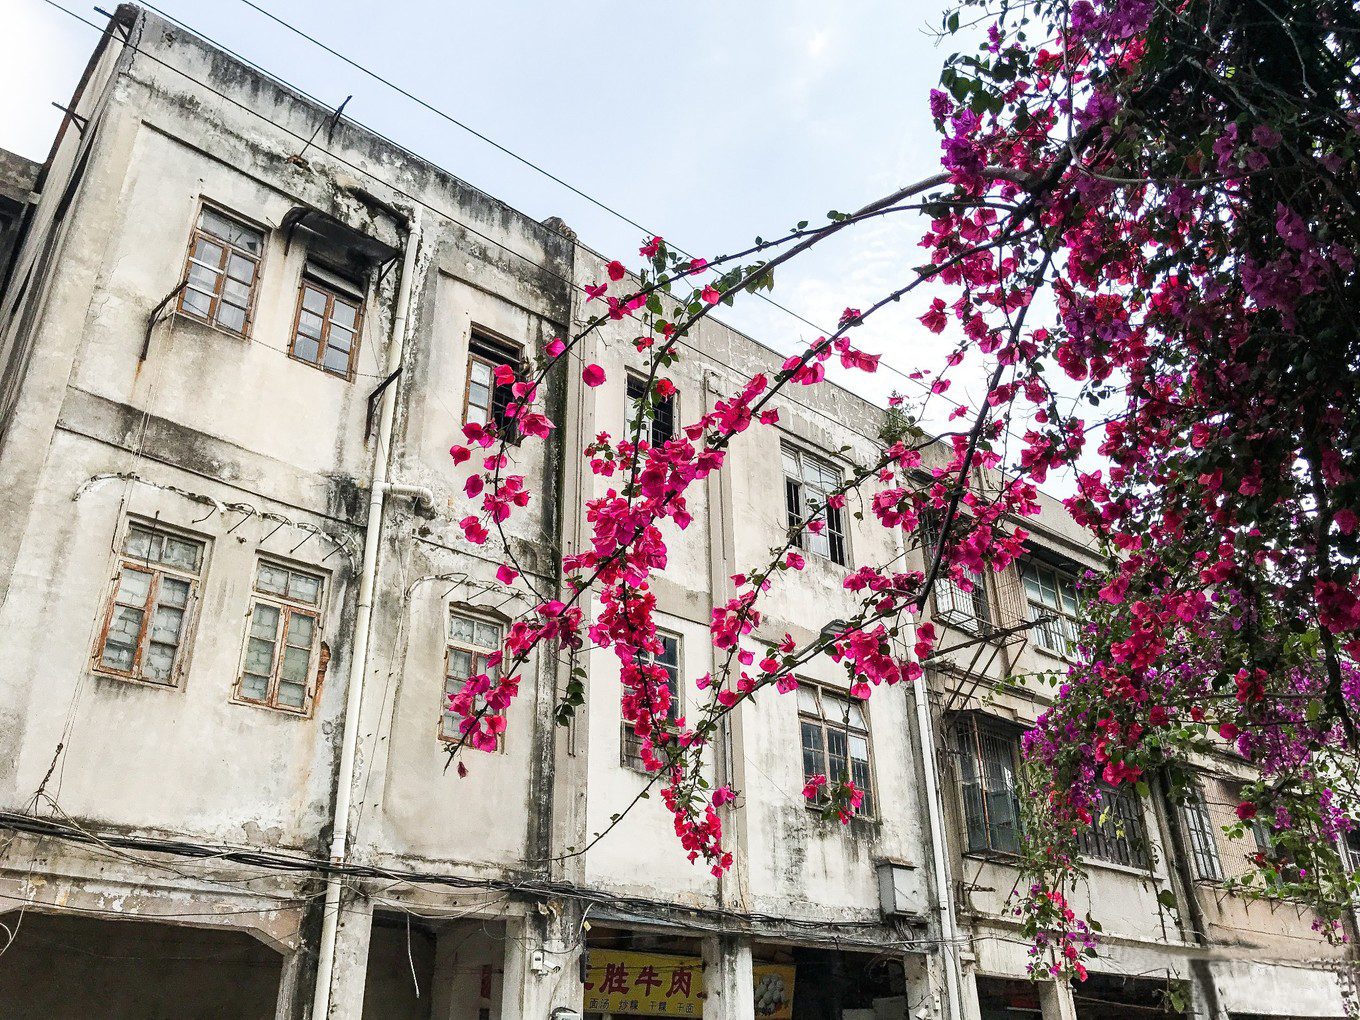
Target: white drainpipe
<point>949,931</point>
<point>358,667</point>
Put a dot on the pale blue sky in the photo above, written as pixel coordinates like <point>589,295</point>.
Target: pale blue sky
<point>709,123</point>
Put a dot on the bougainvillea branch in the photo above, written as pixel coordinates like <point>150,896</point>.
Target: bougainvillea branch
<point>1149,213</point>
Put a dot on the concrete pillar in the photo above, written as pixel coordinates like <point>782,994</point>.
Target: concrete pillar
<point>1055,999</point>
<point>295,985</point>
<point>728,982</point>
<point>351,957</point>
<point>969,1008</point>
<point>542,965</point>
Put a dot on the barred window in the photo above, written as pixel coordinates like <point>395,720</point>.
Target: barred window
<point>1052,594</point>
<point>1117,832</point>
<point>669,660</point>
<point>1199,829</point>
<point>488,402</point>
<point>660,413</point>
<point>329,315</point>
<point>282,638</point>
<point>148,619</point>
<point>960,603</point>
<point>472,639</point>
<point>808,480</point>
<point>989,762</point>
<point>222,271</point>
<point>835,738</point>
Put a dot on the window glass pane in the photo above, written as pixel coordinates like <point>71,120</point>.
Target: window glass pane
<point>461,628</point>
<point>133,586</point>
<point>301,629</point>
<point>314,301</point>
<point>304,588</point>
<point>487,635</point>
<point>159,661</point>
<point>309,325</point>
<point>138,543</point>
<point>340,338</point>
<point>460,665</point>
<point>480,373</point>
<point>791,464</point>
<point>165,625</point>
<point>197,303</point>
<point>120,643</point>
<point>836,758</point>
<point>294,666</point>
<point>479,397</point>
<point>232,318</point>
<point>242,236</point>
<point>344,314</point>
<point>259,657</point>
<point>264,623</point>
<point>813,760</point>
<point>859,748</point>
<point>807,701</point>
<point>292,694</point>
<point>305,348</point>
<point>254,686</point>
<point>181,553</point>
<point>819,544</point>
<point>240,270</point>
<point>337,360</point>
<point>272,579</point>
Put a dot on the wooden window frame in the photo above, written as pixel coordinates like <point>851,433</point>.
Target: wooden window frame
<point>630,744</point>
<point>197,232</point>
<point>976,737</point>
<point>837,534</point>
<point>159,571</point>
<point>1065,624</point>
<point>334,288</point>
<point>841,724</point>
<point>288,608</point>
<point>633,379</point>
<point>1199,834</point>
<point>512,354</point>
<point>447,727</point>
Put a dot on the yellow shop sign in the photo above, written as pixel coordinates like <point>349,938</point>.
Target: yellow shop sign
<point>656,984</point>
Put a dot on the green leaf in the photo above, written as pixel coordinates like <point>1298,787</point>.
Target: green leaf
<point>1167,899</point>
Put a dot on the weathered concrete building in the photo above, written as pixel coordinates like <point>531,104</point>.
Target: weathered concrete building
<point>237,336</point>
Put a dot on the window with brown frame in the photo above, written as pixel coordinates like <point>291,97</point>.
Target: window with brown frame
<point>834,730</point>
<point>151,606</point>
<point>222,270</point>
<point>488,401</point>
<point>630,751</point>
<point>808,482</point>
<point>329,316</point>
<point>471,640</point>
<point>282,638</point>
<point>989,764</point>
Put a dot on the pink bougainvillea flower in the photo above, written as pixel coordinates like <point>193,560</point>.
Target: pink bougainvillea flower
<point>595,290</point>
<point>505,375</point>
<point>651,247</point>
<point>616,270</point>
<point>592,375</point>
<point>711,295</point>
<point>506,574</point>
<point>459,453</point>
<point>556,348</point>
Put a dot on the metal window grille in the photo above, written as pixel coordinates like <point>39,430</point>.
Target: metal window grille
<point>487,401</point>
<point>149,612</point>
<point>326,330</point>
<point>221,271</point>
<point>471,641</point>
<point>960,602</point>
<point>1117,833</point>
<point>669,660</point>
<point>835,740</point>
<point>1351,845</point>
<point>808,481</point>
<point>989,758</point>
<point>282,638</point>
<point>1052,595</point>
<point>1203,846</point>
<point>660,412</point>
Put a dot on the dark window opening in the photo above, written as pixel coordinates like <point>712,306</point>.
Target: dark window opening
<point>660,412</point>
<point>488,401</point>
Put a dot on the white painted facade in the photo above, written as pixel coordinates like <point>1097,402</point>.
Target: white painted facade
<point>161,836</point>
